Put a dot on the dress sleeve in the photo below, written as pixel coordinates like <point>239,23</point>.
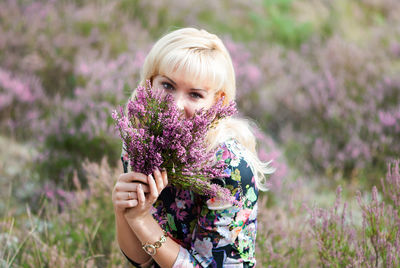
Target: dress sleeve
<point>225,234</point>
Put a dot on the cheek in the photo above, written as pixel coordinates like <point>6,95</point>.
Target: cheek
<point>156,85</point>
<point>159,89</point>
<point>202,104</point>
<point>211,101</point>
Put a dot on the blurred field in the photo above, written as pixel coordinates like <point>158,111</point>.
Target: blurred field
<point>320,78</point>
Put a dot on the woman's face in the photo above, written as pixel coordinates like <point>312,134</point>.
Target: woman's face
<point>189,95</point>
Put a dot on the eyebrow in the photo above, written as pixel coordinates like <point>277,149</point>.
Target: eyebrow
<point>195,89</point>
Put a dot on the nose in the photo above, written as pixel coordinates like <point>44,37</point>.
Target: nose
<point>180,102</point>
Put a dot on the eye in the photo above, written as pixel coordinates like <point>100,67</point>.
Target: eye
<point>196,95</point>
<point>167,86</point>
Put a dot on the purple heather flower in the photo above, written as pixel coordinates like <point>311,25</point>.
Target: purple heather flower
<point>156,134</point>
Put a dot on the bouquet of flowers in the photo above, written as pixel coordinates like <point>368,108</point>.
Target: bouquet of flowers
<point>156,134</point>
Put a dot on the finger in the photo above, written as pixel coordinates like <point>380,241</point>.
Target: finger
<point>164,176</point>
<point>132,187</point>
<point>132,176</point>
<point>153,188</point>
<point>159,180</point>
<point>126,195</point>
<point>126,203</point>
<point>140,195</point>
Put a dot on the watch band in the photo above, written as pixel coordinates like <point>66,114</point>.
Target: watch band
<point>151,249</point>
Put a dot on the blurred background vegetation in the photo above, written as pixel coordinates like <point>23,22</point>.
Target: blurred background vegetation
<point>320,78</point>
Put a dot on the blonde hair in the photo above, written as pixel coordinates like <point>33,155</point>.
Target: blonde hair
<point>194,53</point>
<point>201,55</point>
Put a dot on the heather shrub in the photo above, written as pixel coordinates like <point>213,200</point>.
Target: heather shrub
<point>282,237</point>
<point>82,233</point>
<point>39,44</point>
<point>373,243</point>
<point>51,43</point>
<point>75,69</point>
<point>334,235</point>
<point>268,150</point>
<point>248,75</point>
<point>21,100</point>
<point>334,104</point>
<point>81,126</point>
<point>381,222</point>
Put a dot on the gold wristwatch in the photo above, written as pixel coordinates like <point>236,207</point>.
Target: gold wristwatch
<point>151,249</point>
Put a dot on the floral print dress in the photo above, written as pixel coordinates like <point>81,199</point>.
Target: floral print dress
<point>211,233</point>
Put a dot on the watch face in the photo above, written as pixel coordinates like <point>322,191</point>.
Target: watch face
<point>150,249</point>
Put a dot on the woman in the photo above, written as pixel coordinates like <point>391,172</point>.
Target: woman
<point>159,225</point>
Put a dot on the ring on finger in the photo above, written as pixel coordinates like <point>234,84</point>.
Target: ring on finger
<point>129,195</point>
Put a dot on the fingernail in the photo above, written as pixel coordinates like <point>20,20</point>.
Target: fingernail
<point>151,177</point>
<point>139,186</point>
<point>163,169</point>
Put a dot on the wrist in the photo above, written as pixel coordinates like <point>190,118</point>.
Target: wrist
<point>151,248</point>
<point>119,212</point>
<point>139,221</point>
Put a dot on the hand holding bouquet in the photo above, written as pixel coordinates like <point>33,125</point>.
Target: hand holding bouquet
<point>156,134</point>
